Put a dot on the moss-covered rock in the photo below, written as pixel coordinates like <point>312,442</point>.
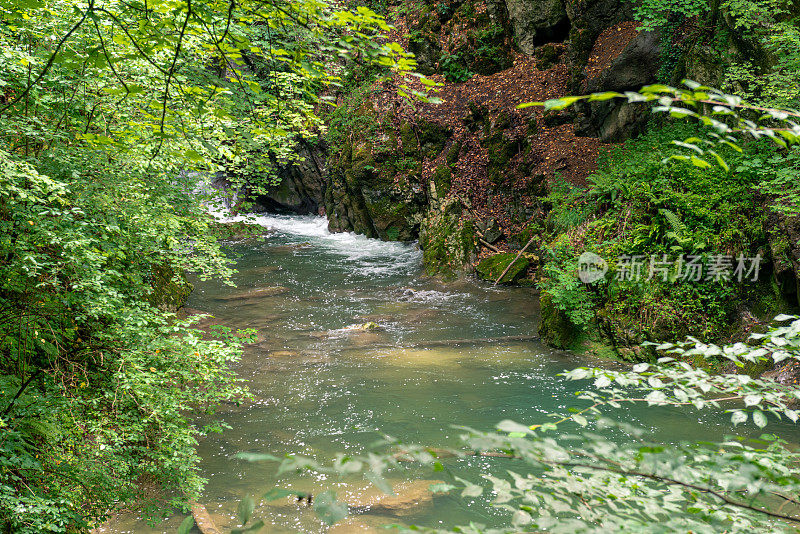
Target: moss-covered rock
<point>424,43</point>
<point>500,149</point>
<point>454,152</point>
<point>547,56</point>
<point>492,267</point>
<point>555,329</point>
<point>487,49</point>
<point>442,177</point>
<point>171,289</point>
<point>448,242</point>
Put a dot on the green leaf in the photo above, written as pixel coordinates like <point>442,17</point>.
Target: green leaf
<point>759,418</point>
<point>328,508</point>
<point>698,162</point>
<point>608,95</point>
<point>561,103</point>
<point>738,417</point>
<point>441,487</point>
<point>245,509</point>
<point>510,426</point>
<point>186,525</point>
<point>721,162</point>
<point>379,482</point>
<point>581,420</point>
<point>529,104</point>
<point>752,400</point>
<point>658,88</point>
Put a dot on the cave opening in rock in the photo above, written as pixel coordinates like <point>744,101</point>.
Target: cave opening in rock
<point>557,33</point>
<point>298,205</point>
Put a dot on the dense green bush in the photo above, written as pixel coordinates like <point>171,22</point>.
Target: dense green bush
<point>109,116</point>
<point>637,206</point>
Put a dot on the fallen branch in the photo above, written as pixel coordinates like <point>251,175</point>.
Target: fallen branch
<point>487,245</point>
<point>515,259</point>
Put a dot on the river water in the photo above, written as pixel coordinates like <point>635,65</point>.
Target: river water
<point>322,387</point>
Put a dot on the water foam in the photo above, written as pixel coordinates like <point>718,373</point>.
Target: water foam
<point>370,257</point>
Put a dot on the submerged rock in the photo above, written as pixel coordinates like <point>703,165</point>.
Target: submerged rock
<point>284,354</point>
<point>256,293</point>
<point>408,496</point>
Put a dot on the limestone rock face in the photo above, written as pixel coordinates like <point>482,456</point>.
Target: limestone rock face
<point>302,185</point>
<point>537,22</point>
<point>588,19</point>
<point>635,66</point>
<point>447,241</point>
<point>785,253</point>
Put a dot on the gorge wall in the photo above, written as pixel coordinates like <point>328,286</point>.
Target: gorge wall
<point>474,178</point>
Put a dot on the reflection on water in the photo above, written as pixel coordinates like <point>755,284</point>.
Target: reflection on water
<point>323,386</point>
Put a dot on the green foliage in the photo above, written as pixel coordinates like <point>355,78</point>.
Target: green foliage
<point>454,69</point>
<point>110,113</point>
<point>766,31</point>
<point>92,373</point>
<point>638,206</point>
<point>569,295</point>
<point>658,14</point>
<point>728,117</point>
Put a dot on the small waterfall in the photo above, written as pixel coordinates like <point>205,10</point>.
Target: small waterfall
<point>367,256</point>
<point>218,194</point>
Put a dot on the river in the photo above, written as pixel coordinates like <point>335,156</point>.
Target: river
<point>321,387</point>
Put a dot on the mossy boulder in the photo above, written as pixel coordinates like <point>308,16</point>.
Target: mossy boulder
<point>555,329</point>
<point>424,43</point>
<point>501,149</point>
<point>424,139</point>
<point>171,289</point>
<point>454,152</point>
<point>448,243</point>
<point>488,46</point>
<point>492,267</point>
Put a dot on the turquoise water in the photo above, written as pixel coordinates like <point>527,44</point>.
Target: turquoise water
<point>322,387</point>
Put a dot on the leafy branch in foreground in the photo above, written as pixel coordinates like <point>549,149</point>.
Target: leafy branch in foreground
<point>613,476</point>
<point>724,115</point>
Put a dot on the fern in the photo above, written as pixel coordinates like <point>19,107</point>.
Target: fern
<point>674,221</point>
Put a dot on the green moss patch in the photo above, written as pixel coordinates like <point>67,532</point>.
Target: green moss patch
<point>492,267</point>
